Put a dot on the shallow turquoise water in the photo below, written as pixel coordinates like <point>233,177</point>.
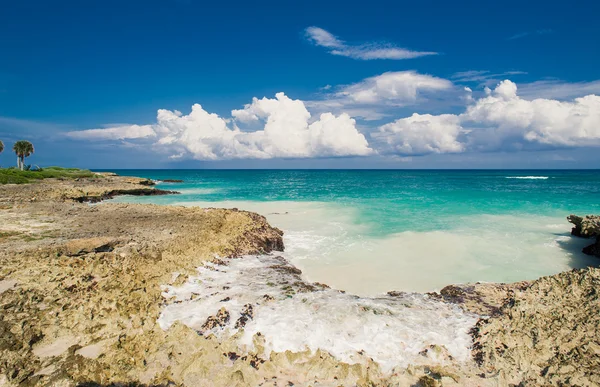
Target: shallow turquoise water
<point>395,201</point>
<point>373,230</point>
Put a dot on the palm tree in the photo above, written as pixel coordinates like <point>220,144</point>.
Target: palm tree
<point>23,149</point>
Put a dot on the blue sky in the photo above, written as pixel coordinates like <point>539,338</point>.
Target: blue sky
<point>71,66</point>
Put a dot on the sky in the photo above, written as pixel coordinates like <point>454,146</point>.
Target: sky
<point>311,84</point>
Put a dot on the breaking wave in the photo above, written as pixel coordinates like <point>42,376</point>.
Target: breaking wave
<point>266,294</point>
<point>528,177</point>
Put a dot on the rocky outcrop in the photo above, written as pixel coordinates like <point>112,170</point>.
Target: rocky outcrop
<point>80,285</point>
<point>587,227</point>
<point>545,334</point>
<point>89,190</point>
<point>484,299</point>
<point>96,198</point>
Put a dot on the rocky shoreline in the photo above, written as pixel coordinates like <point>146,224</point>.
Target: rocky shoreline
<point>587,227</point>
<point>82,291</point>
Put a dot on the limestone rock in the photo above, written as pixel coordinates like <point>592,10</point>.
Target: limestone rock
<point>83,246</point>
<point>587,227</point>
<point>545,334</point>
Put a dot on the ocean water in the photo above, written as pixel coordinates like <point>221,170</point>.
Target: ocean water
<point>371,231</point>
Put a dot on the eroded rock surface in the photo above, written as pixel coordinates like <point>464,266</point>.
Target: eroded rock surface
<point>587,227</point>
<point>93,190</point>
<point>545,334</point>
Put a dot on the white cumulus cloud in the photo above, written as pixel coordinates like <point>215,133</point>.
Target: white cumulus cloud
<point>379,96</point>
<point>368,51</point>
<point>285,133</point>
<point>500,120</point>
<point>543,121</point>
<point>422,134</point>
<point>399,87</point>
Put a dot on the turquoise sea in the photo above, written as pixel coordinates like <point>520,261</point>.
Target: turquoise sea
<point>371,231</point>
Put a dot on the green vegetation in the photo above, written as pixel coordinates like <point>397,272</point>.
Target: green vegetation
<point>22,149</point>
<point>27,174</point>
<point>16,176</point>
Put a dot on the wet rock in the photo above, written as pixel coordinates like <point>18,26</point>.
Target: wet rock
<point>395,293</point>
<point>484,299</point>
<point>593,249</point>
<point>219,320</point>
<point>452,291</point>
<point>246,314</point>
<point>286,269</point>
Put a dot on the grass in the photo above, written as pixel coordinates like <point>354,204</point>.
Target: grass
<point>15,176</point>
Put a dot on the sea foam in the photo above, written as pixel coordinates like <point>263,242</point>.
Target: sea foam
<point>528,177</point>
<point>294,315</point>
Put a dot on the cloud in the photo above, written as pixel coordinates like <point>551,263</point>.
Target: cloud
<point>558,89</point>
<point>376,97</point>
<point>285,133</point>
<point>422,134</point>
<point>499,121</point>
<point>368,51</point>
<point>122,132</point>
<point>398,87</point>
<point>483,77</point>
<point>529,33</point>
<point>541,121</point>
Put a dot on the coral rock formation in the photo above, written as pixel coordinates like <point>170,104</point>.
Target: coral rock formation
<point>587,227</point>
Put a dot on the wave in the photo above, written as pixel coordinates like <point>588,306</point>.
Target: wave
<point>266,294</point>
<point>528,177</point>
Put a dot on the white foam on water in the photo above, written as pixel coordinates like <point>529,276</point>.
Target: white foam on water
<point>393,331</point>
<point>528,177</point>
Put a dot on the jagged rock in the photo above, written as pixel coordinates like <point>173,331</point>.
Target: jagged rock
<point>484,299</point>
<point>219,320</point>
<point>247,314</point>
<point>587,227</point>
<point>147,182</point>
<point>95,273</point>
<point>83,246</point>
<point>545,334</point>
<point>593,249</point>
